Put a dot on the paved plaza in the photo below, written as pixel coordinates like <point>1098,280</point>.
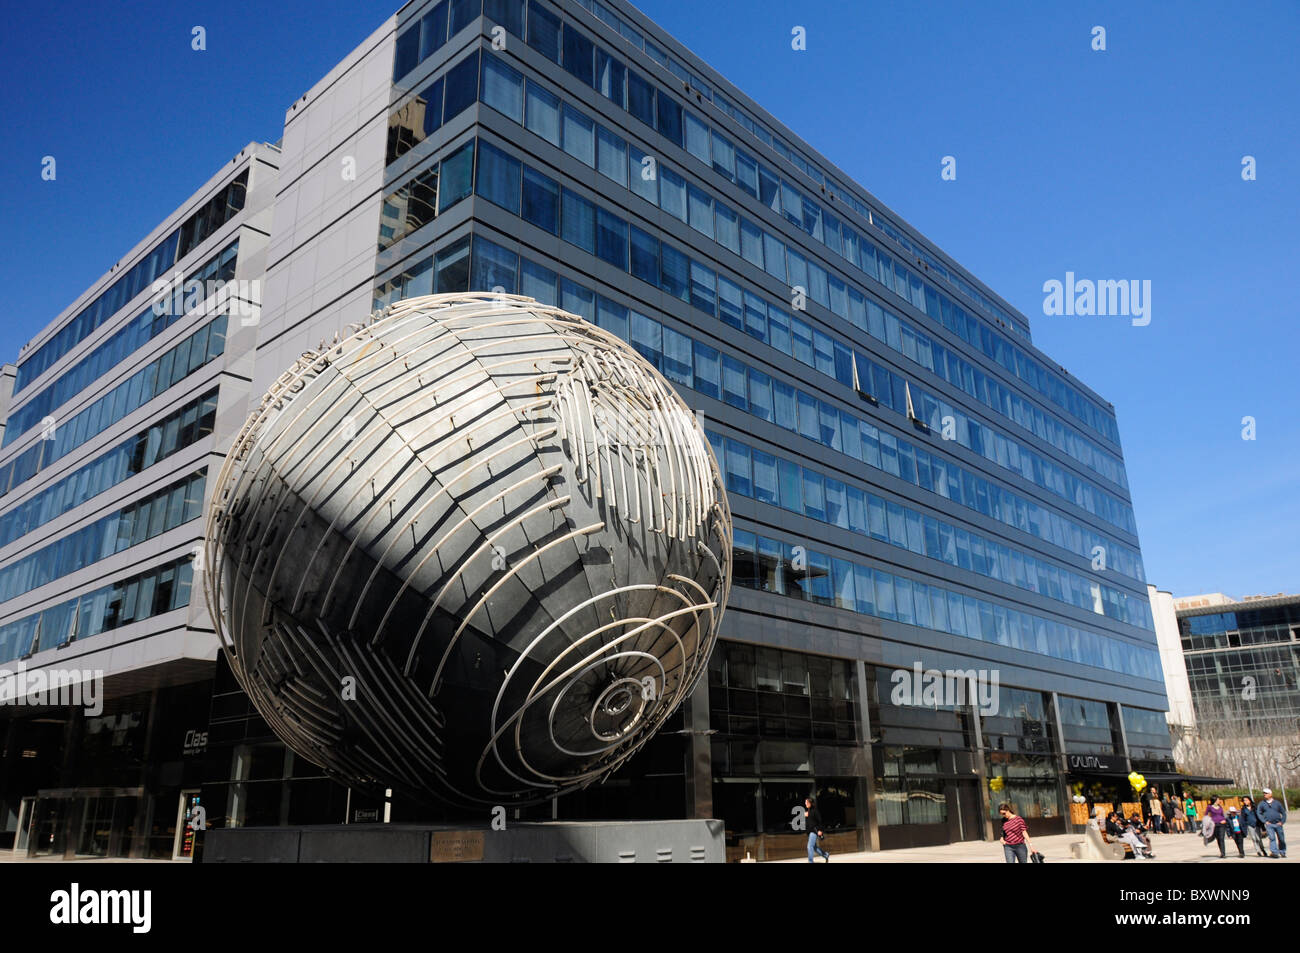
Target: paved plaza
<point>1168,848</point>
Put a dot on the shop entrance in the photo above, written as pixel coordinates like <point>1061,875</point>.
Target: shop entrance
<point>75,823</point>
<point>965,816</point>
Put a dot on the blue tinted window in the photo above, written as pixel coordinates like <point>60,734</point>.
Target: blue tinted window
<point>640,98</point>
<point>727,227</point>
<point>432,97</point>
<point>579,53</point>
<point>613,317</point>
<point>578,221</point>
<point>769,189</point>
<point>837,504</point>
<point>408,52</point>
<point>765,478</point>
<point>704,284</point>
<point>843,365</point>
<point>778,325</point>
<point>809,417</point>
<point>884,595</point>
<point>577,299</point>
<point>699,210</point>
<point>611,156</point>
<point>802,334</point>
<point>791,482</point>
<point>678,358</point>
<point>541,204</point>
<point>760,395</point>
<point>824,354</point>
<point>724,157</point>
<point>498,177</point>
<point>462,87</point>
<point>503,88</point>
<point>645,256</point>
<point>579,136</point>
<point>611,78</point>
<point>543,115</point>
<point>730,304</point>
<point>755,317</point>
<point>451,268</point>
<point>708,373</point>
<point>495,268</point>
<point>611,239</point>
<point>670,118</point>
<point>814,495</point>
<point>751,243</point>
<point>697,138</point>
<point>456,175</point>
<point>462,13</point>
<point>537,281</point>
<point>672,193</point>
<point>774,256</point>
<point>733,382</point>
<point>643,175</point>
<point>737,468</point>
<point>508,13</point>
<point>674,273</point>
<point>647,337</point>
<point>544,32</point>
<point>747,172</point>
<point>433,30</point>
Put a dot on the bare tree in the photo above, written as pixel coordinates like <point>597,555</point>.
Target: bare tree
<point>1233,739</point>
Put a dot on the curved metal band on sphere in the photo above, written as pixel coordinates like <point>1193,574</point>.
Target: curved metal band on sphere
<point>477,552</point>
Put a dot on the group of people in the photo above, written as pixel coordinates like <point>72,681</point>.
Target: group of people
<point>1253,820</point>
<point>1166,815</point>
<point>1131,831</point>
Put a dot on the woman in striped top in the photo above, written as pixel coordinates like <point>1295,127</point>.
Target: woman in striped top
<point>1015,836</point>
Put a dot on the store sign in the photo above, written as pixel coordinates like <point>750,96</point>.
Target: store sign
<point>196,742</point>
<point>1091,762</point>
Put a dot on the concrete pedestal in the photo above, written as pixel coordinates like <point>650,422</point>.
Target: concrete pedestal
<point>609,842</point>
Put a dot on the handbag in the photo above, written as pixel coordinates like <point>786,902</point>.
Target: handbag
<point>1036,857</point>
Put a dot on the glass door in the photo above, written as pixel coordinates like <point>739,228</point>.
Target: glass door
<point>26,815</point>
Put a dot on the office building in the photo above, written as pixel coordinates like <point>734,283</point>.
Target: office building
<point>1242,659</point>
<point>111,434</point>
<point>912,482</point>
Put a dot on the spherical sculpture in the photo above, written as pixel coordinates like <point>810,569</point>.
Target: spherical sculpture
<point>478,552</point>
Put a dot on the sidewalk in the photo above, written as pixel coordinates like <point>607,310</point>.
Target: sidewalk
<point>1168,848</point>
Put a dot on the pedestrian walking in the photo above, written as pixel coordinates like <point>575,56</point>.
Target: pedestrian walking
<point>1254,826</point>
<point>813,818</point>
<point>1214,814</point>
<point>1237,830</point>
<point>1189,805</point>
<point>1273,813</point>
<point>1015,836</point>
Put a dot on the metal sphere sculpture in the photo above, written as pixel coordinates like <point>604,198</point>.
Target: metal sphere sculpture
<point>478,552</point>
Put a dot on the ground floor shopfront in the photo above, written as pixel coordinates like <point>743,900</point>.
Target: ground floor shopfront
<point>767,728</point>
<point>785,725</point>
<point>117,782</point>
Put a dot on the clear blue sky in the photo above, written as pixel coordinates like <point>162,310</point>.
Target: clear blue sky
<point>1116,164</point>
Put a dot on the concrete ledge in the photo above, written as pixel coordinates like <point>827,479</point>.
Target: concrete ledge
<point>608,842</point>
